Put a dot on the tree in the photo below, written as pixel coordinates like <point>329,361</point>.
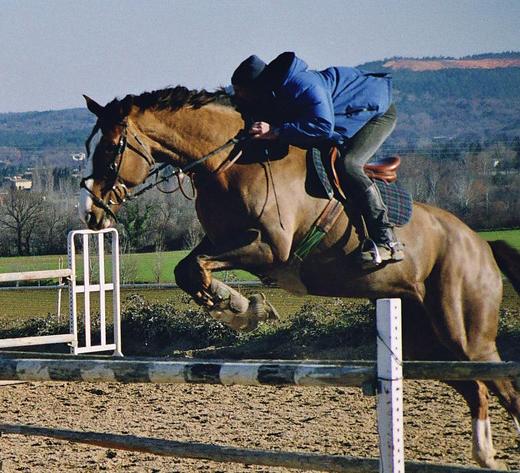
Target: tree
<point>516,149</point>
<point>136,219</point>
<point>21,212</point>
<point>57,219</point>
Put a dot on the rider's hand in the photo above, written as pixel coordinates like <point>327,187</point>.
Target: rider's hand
<point>263,131</point>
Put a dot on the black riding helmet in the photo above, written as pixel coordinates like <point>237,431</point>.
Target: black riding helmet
<point>248,72</point>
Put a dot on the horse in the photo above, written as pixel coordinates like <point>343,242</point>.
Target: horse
<point>256,207</point>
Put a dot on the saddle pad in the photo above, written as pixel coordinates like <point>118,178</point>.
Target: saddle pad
<point>397,198</point>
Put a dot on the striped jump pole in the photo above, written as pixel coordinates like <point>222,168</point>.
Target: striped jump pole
<point>247,373</point>
<point>59,367</point>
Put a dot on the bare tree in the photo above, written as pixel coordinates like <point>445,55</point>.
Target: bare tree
<point>21,212</point>
<point>128,268</point>
<point>193,234</point>
<point>157,264</point>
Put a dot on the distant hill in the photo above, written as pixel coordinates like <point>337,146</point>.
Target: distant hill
<point>477,61</point>
<point>419,65</point>
<point>480,61</point>
<point>470,98</point>
<point>51,136</point>
<point>473,98</point>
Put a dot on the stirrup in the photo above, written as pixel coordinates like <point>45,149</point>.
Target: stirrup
<point>372,255</point>
<point>369,254</point>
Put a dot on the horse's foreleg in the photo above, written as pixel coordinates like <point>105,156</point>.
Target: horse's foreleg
<point>194,275</point>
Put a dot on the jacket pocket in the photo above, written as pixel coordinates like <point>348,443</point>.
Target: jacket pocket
<point>354,110</point>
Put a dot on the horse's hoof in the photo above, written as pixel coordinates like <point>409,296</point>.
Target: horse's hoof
<point>261,308</point>
<point>498,465</point>
<point>204,299</point>
<point>492,464</point>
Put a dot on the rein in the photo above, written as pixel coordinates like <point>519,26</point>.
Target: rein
<point>143,153</point>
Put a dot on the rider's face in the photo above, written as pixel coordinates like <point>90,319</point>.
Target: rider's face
<point>246,95</point>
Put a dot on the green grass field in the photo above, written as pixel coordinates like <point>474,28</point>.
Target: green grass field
<point>23,304</point>
<point>135,268</point>
<point>158,267</point>
<point>511,236</point>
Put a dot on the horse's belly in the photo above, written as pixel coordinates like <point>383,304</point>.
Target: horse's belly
<point>288,278</point>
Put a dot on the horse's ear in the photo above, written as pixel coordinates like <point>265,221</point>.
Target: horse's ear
<point>125,106</point>
<point>94,107</point>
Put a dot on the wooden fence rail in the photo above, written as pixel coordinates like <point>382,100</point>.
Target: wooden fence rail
<point>203,451</point>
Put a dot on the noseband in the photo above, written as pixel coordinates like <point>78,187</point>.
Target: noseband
<point>115,167</point>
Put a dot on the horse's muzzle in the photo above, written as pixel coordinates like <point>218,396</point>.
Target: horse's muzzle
<point>97,221</point>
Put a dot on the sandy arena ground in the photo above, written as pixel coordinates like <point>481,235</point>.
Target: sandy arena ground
<point>326,420</point>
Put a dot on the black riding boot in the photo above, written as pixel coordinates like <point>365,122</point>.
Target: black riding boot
<point>380,230</point>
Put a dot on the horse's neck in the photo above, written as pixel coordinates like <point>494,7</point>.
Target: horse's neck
<point>189,134</point>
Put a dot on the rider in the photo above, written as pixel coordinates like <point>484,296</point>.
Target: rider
<point>343,105</point>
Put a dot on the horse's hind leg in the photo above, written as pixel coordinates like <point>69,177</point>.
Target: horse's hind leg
<point>507,392</point>
<point>464,315</point>
<point>476,396</point>
<point>416,319</point>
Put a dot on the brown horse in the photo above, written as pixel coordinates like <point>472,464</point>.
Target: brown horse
<point>255,213</point>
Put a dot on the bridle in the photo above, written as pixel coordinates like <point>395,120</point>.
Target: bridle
<point>119,152</point>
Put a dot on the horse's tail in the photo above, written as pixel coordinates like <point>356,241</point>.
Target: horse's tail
<point>508,259</point>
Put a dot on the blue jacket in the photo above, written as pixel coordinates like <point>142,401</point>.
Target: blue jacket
<point>333,104</point>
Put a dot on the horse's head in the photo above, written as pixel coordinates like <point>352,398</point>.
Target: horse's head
<point>175,126</point>
<point>120,161</point>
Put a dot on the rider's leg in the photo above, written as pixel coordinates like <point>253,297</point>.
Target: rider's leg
<point>356,153</point>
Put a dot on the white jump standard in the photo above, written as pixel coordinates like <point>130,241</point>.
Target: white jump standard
<point>101,287</point>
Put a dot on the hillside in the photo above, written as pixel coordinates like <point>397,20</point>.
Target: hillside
<point>50,136</point>
<point>473,98</point>
<point>481,61</point>
<point>419,65</point>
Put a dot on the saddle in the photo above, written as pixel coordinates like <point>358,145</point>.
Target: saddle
<point>382,170</point>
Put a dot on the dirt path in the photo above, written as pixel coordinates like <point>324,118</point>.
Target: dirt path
<point>327,420</point>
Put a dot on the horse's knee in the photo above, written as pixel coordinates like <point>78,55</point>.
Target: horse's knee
<point>184,275</point>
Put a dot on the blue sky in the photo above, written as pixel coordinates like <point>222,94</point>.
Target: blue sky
<point>55,50</point>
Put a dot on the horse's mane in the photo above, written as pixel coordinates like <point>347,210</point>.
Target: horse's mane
<point>173,98</point>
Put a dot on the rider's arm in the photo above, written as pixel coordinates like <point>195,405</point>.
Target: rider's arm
<point>315,122</point>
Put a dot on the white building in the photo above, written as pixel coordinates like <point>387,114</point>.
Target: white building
<point>19,183</point>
